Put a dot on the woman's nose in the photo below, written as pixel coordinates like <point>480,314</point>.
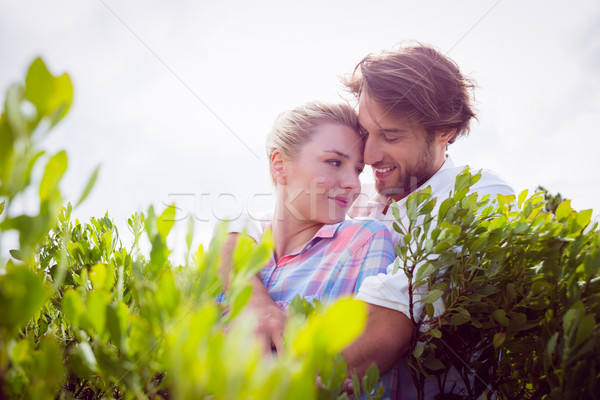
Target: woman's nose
<point>350,180</point>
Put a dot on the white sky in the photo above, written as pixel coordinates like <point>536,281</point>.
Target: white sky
<point>151,78</point>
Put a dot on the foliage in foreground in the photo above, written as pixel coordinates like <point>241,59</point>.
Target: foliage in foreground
<point>85,317</point>
<point>512,294</point>
<point>505,296</point>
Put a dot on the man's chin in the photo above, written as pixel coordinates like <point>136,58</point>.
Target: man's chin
<point>389,190</point>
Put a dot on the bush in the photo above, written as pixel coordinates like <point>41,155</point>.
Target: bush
<point>519,294</point>
<point>511,298</point>
<point>85,317</point>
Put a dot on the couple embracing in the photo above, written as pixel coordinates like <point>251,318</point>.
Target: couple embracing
<point>412,103</point>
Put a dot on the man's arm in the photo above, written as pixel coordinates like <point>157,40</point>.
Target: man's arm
<point>386,338</point>
<point>271,319</point>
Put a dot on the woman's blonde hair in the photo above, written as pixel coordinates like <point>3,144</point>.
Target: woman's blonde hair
<point>294,128</point>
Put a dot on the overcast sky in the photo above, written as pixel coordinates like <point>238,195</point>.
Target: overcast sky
<point>174,98</point>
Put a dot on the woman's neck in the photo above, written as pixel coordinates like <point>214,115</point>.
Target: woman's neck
<point>289,233</point>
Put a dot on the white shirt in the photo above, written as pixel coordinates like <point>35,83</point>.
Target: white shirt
<point>391,290</point>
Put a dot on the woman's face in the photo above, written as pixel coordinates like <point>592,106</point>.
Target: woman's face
<point>322,182</point>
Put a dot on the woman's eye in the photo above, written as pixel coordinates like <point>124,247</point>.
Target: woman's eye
<point>335,163</point>
<point>359,171</point>
<point>390,139</point>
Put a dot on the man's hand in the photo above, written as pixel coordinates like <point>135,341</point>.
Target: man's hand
<point>271,319</point>
<point>385,339</point>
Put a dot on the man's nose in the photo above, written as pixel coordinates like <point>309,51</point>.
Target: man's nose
<point>372,152</point>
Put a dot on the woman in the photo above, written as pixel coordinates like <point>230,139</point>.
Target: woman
<point>315,157</point>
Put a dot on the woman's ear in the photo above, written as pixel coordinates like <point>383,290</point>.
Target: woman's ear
<point>278,168</point>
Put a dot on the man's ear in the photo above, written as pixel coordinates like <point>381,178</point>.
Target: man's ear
<point>445,135</point>
<point>278,168</point>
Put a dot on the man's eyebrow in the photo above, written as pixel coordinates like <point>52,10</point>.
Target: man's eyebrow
<point>401,131</point>
<point>385,130</point>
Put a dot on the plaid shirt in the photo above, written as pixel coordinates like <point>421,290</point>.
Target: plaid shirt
<point>332,264</point>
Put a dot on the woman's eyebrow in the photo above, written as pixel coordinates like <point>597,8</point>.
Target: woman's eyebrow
<point>339,153</point>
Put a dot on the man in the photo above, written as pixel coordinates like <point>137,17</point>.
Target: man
<point>413,103</point>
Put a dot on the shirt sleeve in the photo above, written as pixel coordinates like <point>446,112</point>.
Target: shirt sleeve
<point>253,226</point>
<point>390,289</point>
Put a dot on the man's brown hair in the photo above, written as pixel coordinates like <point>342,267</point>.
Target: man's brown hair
<point>419,83</point>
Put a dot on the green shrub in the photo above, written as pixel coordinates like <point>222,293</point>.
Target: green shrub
<point>520,293</point>
<point>85,317</point>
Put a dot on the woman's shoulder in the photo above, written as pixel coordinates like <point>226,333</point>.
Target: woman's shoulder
<point>367,225</point>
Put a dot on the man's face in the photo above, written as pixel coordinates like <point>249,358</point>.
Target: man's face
<point>398,149</point>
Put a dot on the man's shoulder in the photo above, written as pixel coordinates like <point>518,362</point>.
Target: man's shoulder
<point>489,182</point>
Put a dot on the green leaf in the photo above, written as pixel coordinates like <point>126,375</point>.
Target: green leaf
<point>355,386</point>
<point>428,207</point>
<point>167,296</point>
<point>444,207</point>
<point>551,346</point>
<point>411,207</point>
<point>584,217</point>
<point>17,254</point>
<point>563,210</point>
<point>418,350</point>
<point>21,352</point>
<point>461,316</point>
<point>55,169</point>
<point>522,197</point>
<point>2,207</point>
<point>22,294</point>
<point>96,309</point>
<point>14,116</point>
<point>98,276</point>
<point>370,379</point>
<point>462,181</point>
<point>584,329</point>
<point>52,96</point>
<point>240,301</point>
<point>330,332</point>
<point>432,296</point>
<point>166,221</point>
<point>434,364</point>
<point>89,186</point>
<point>592,263</point>
<point>48,368</point>
<point>499,339</point>
<point>72,306</point>
<point>500,316</point>
<point>395,210</point>
<point>116,322</point>
<point>82,360</point>
<point>436,333</point>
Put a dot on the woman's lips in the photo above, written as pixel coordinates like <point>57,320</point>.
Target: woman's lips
<point>341,201</point>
